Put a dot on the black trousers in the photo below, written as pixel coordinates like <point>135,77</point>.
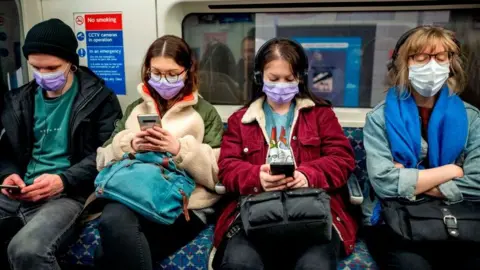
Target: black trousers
<point>238,253</point>
<point>391,252</point>
<point>129,241</point>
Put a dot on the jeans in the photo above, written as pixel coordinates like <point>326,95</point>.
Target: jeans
<point>130,241</point>
<point>390,252</point>
<point>238,253</point>
<point>32,233</point>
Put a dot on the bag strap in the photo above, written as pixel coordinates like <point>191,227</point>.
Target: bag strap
<point>185,205</point>
<point>450,222</point>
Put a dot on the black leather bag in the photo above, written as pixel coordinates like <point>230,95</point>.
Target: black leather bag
<point>433,220</point>
<point>300,214</point>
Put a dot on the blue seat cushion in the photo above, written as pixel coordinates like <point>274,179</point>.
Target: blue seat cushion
<point>193,256</point>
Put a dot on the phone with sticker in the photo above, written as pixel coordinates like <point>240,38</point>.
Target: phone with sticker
<point>149,121</point>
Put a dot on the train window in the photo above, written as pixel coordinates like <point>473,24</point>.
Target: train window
<point>348,51</point>
<point>11,60</point>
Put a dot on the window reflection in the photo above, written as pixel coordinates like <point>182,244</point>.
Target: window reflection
<point>347,51</point>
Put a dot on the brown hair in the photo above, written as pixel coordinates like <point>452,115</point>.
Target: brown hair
<point>419,41</point>
<point>173,47</point>
<point>294,54</point>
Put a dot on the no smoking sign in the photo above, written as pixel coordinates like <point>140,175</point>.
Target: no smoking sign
<point>79,20</point>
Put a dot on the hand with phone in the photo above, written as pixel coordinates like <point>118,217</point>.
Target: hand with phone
<point>153,137</point>
<point>162,141</point>
<point>145,121</point>
<point>12,185</point>
<point>271,182</point>
<point>299,181</point>
<point>45,186</point>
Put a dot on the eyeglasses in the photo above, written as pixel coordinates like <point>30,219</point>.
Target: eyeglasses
<point>424,58</point>
<point>171,78</point>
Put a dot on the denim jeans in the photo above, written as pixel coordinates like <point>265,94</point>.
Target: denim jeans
<point>31,233</point>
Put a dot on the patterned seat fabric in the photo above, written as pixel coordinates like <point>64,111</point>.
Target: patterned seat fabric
<point>194,256</point>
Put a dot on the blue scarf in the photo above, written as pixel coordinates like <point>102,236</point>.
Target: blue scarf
<point>447,130</point>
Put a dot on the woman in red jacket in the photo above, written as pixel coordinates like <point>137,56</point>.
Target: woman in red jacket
<point>283,121</point>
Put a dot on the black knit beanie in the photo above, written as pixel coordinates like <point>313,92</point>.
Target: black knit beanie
<point>52,37</point>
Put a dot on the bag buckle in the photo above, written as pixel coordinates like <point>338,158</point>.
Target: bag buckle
<point>450,222</point>
<point>452,218</point>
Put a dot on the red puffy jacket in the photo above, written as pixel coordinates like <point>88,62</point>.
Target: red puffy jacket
<point>322,153</point>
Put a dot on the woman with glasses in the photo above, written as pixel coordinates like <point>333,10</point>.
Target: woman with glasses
<point>423,149</point>
<point>191,130</point>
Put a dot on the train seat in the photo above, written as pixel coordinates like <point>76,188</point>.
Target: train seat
<point>195,255</point>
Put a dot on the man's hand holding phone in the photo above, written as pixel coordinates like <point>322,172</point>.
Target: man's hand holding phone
<point>45,186</point>
<point>12,180</point>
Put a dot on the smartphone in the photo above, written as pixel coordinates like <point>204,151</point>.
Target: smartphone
<point>11,189</point>
<point>149,120</point>
<point>282,168</point>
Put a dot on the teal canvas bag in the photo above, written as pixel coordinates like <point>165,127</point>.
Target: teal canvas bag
<point>148,183</point>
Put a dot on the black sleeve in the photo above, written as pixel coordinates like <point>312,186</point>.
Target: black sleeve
<point>7,166</point>
<point>81,175</point>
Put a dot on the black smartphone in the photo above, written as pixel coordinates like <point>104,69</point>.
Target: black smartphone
<point>282,168</point>
<point>11,189</point>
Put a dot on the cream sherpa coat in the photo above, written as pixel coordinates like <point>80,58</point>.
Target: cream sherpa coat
<point>186,121</point>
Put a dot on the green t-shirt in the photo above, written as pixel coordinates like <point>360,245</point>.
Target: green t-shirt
<point>51,134</point>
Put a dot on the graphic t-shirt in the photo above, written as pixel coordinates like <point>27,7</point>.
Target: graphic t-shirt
<point>278,130</point>
<point>51,134</point>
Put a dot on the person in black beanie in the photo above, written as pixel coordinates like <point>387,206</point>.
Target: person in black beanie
<point>54,124</point>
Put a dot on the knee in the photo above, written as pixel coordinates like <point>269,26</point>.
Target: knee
<point>406,260</point>
<point>116,215</point>
<point>241,258</point>
<point>316,261</point>
<point>116,222</point>
<point>237,265</point>
<point>26,250</point>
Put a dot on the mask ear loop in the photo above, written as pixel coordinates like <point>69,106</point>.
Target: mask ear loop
<point>73,69</point>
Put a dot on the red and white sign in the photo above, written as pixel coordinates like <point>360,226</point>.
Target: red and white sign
<point>103,22</point>
<point>2,20</point>
<point>79,20</point>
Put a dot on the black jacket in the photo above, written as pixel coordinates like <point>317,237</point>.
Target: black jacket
<point>92,121</point>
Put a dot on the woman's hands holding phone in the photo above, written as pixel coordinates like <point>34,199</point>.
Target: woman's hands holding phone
<point>280,182</point>
<point>272,182</point>
<point>156,139</point>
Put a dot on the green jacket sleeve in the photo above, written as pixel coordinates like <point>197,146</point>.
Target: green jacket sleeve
<point>120,124</point>
<point>213,123</point>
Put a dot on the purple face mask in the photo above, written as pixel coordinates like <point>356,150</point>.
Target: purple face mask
<point>280,93</point>
<point>165,89</point>
<point>53,81</point>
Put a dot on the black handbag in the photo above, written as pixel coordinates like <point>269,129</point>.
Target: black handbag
<point>301,214</point>
<point>433,220</point>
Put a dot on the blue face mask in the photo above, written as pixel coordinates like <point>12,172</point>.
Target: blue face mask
<point>280,93</point>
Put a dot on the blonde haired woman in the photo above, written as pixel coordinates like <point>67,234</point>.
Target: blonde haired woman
<point>423,144</point>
